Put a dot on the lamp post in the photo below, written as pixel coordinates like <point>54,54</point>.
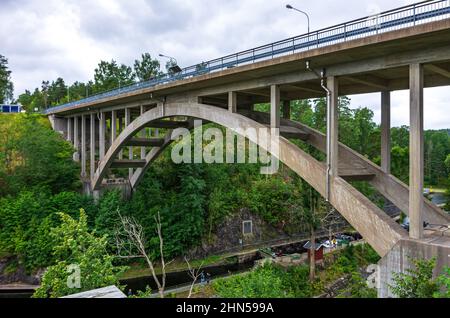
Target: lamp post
<point>288,6</point>
<point>170,58</point>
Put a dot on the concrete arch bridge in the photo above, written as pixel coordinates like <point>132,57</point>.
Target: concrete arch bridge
<point>398,54</point>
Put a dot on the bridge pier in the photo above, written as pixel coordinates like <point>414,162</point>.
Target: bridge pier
<point>275,106</point>
<point>83,146</point>
<point>386,131</point>
<point>76,140</point>
<point>400,258</point>
<point>416,157</point>
<point>69,129</point>
<point>333,126</point>
<point>92,124</point>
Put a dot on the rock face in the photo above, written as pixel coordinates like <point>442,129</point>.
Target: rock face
<point>229,236</point>
<point>17,276</point>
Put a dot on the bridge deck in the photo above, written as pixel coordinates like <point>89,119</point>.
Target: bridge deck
<point>363,58</point>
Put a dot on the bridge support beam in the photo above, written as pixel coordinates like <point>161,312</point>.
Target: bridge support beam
<point>70,130</point>
<point>92,146</point>
<point>130,149</point>
<point>287,109</point>
<point>120,131</point>
<point>101,138</point>
<point>143,135</point>
<point>416,157</point>
<point>76,139</point>
<point>113,126</point>
<point>232,102</point>
<point>333,125</point>
<point>274,106</point>
<point>83,146</point>
<point>386,131</point>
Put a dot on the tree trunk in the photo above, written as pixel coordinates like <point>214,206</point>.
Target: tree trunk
<point>312,258</point>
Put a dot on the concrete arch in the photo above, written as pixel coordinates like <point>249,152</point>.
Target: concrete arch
<point>380,231</point>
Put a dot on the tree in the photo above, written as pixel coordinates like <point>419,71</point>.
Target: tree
<point>194,274</point>
<point>6,86</point>
<point>109,75</point>
<point>146,68</point>
<point>417,282</point>
<point>25,100</point>
<point>78,252</point>
<point>44,88</point>
<point>35,156</point>
<point>314,208</point>
<point>131,243</point>
<point>57,91</point>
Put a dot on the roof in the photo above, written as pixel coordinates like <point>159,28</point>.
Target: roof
<point>308,246</point>
<point>106,292</point>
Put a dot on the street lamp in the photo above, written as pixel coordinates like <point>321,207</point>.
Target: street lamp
<point>169,57</point>
<point>174,68</point>
<point>288,6</point>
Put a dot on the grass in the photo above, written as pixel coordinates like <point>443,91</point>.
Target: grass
<point>137,270</point>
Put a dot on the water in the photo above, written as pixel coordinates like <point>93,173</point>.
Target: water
<point>439,198</point>
<point>178,279</point>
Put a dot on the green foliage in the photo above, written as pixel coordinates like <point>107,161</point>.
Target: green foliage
<point>264,282</point>
<point>417,282</point>
<point>6,85</point>
<point>26,221</point>
<point>357,288</point>
<point>274,281</point>
<point>444,284</point>
<point>146,68</point>
<point>110,75</point>
<point>75,245</point>
<point>32,155</point>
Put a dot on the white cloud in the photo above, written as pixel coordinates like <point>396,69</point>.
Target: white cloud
<point>56,38</point>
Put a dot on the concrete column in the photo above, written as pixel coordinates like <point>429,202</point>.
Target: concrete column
<point>274,106</point>
<point>101,134</point>
<point>333,125</point>
<point>120,131</point>
<point>386,131</point>
<point>287,109</point>
<point>92,153</point>
<point>76,131</point>
<point>83,146</point>
<point>113,126</point>
<point>70,130</point>
<point>232,102</point>
<point>416,148</point>
<point>76,139</point>
<point>130,149</point>
<point>143,135</point>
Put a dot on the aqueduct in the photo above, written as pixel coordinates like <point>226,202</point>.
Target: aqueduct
<point>407,48</point>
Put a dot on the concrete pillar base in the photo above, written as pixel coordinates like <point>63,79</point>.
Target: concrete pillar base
<point>398,260</point>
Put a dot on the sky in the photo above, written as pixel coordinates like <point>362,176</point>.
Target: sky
<point>46,39</point>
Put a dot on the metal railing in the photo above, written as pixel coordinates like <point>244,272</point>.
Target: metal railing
<point>407,16</point>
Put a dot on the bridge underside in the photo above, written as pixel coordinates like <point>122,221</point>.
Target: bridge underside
<point>129,131</point>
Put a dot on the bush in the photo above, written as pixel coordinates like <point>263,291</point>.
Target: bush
<point>75,245</point>
<point>417,282</point>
